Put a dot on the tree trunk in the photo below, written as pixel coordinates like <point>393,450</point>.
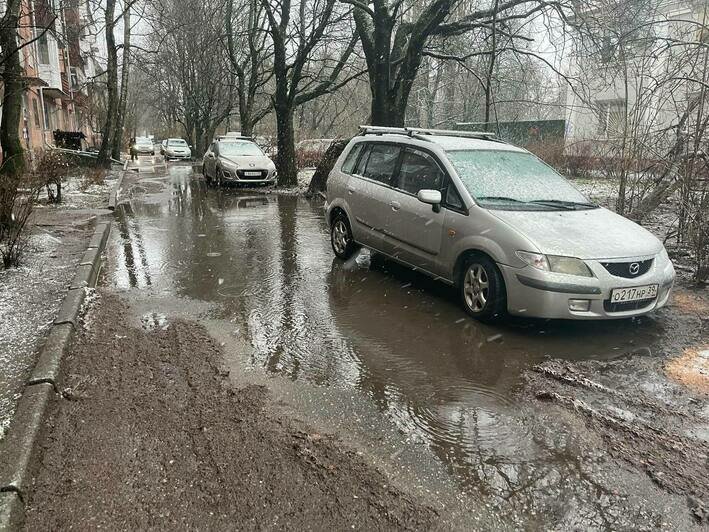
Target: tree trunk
<point>125,74</point>
<point>104,155</point>
<point>285,159</point>
<point>13,162</point>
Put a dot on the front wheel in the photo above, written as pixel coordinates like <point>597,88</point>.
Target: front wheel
<point>482,289</point>
<point>341,239</point>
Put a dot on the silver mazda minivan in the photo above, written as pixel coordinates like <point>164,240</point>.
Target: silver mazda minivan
<point>495,221</point>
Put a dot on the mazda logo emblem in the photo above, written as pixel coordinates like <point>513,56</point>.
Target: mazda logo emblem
<point>634,268</point>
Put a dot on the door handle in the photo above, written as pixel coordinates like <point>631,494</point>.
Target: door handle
<point>395,205</point>
<point>350,190</point>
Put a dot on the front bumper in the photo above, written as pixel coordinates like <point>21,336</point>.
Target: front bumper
<point>232,176</point>
<point>182,156</point>
<point>539,294</point>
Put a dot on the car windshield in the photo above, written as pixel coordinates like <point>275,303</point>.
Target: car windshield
<point>181,143</point>
<point>239,149</point>
<point>514,180</point>
<point>144,141</point>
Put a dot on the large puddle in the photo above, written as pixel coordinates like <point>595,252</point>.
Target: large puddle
<point>261,266</point>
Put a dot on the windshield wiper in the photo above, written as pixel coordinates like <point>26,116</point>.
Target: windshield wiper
<point>500,198</point>
<point>568,205</point>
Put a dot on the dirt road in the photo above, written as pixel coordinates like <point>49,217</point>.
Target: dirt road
<point>152,436</point>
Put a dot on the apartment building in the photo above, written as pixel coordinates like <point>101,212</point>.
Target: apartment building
<point>62,67</point>
<point>648,70</point>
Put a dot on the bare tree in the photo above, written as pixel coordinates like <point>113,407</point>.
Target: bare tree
<point>394,40</point>
<point>311,48</point>
<point>249,53</point>
<point>104,156</point>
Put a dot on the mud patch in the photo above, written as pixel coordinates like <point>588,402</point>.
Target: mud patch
<point>691,303</point>
<point>154,437</point>
<point>691,369</point>
<point>639,425</point>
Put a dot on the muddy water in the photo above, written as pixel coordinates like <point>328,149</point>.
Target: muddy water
<point>260,266</point>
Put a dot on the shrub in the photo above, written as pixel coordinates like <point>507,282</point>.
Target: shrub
<point>53,167</point>
<point>16,202</point>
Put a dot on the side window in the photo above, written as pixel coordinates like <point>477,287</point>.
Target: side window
<point>349,165</point>
<point>453,199</point>
<point>362,164</point>
<point>419,171</point>
<point>381,162</point>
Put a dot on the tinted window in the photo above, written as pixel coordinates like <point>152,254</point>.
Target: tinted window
<point>419,171</point>
<point>381,162</point>
<point>351,159</point>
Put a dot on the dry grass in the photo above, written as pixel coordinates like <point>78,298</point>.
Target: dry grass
<point>691,369</point>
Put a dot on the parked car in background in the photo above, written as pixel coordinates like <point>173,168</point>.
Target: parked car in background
<point>144,146</point>
<point>309,152</point>
<point>237,160</point>
<point>496,222</point>
<point>177,149</point>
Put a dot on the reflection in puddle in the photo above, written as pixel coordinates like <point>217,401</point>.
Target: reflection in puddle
<point>399,338</point>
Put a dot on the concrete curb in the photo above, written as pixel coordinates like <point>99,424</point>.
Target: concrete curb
<point>20,443</point>
<point>113,198</point>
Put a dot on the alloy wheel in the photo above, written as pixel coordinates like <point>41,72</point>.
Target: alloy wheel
<point>476,288</point>
<point>340,237</point>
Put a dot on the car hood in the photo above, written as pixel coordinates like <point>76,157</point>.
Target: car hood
<point>257,163</point>
<point>586,234</point>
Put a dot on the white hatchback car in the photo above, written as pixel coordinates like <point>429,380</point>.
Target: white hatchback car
<point>492,219</point>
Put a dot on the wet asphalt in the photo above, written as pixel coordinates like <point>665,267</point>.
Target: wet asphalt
<point>257,268</point>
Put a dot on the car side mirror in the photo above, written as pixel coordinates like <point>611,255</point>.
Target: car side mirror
<point>431,197</point>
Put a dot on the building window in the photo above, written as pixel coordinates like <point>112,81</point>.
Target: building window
<point>43,49</point>
<point>611,118</point>
<point>35,112</point>
<point>48,116</point>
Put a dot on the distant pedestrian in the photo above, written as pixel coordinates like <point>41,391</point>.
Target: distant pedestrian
<point>133,151</point>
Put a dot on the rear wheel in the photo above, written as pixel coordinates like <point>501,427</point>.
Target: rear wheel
<point>482,289</point>
<point>341,239</point>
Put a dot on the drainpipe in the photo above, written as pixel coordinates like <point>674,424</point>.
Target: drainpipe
<point>67,64</point>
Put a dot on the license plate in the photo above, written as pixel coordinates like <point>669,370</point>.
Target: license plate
<point>252,174</point>
<point>635,293</point>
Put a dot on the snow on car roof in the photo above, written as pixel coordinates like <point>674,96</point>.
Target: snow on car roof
<point>450,143</point>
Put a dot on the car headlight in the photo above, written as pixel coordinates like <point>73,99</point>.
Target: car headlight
<point>230,166</point>
<point>556,264</point>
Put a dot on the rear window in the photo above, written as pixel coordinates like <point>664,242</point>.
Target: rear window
<point>351,160</point>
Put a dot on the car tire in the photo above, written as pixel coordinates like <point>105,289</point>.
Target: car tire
<point>482,289</point>
<point>341,239</point>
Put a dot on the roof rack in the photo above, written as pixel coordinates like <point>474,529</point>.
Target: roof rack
<point>421,132</point>
<point>233,136</point>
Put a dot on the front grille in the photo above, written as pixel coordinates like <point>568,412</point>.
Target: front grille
<point>627,270</point>
<point>627,305</point>
<point>262,174</point>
